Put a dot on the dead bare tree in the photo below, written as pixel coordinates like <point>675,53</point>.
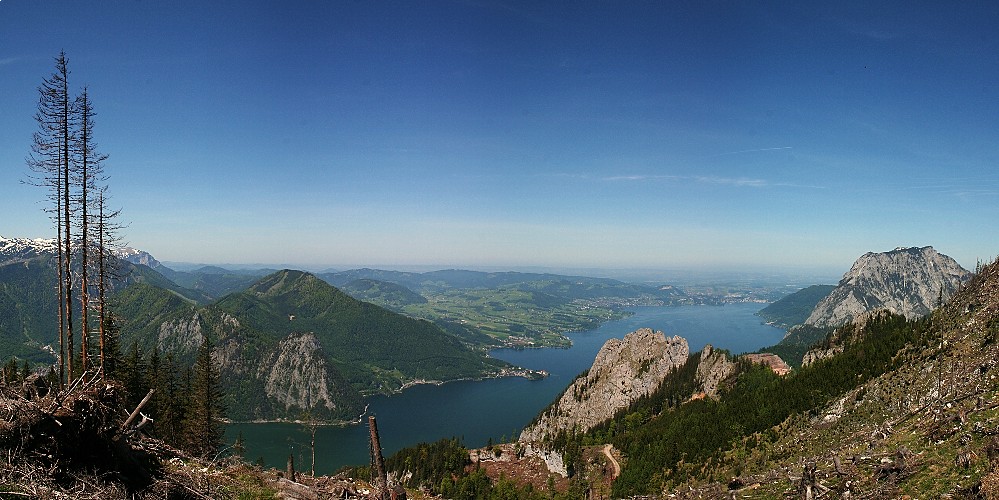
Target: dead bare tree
<point>380,479</point>
<point>89,172</point>
<point>51,165</point>
<point>108,240</point>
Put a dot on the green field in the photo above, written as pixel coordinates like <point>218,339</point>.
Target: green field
<point>514,317</point>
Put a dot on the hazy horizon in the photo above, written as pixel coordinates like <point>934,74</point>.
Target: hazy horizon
<point>691,275</point>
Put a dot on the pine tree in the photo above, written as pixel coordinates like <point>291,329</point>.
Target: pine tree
<point>132,374</point>
<point>202,428</point>
<point>173,408</point>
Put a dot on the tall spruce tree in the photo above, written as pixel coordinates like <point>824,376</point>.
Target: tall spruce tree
<point>202,427</point>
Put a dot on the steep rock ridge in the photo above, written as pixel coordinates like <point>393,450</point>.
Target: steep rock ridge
<point>713,368</point>
<point>181,336</point>
<point>300,377</point>
<point>136,256</point>
<point>907,281</point>
<point>623,371</point>
<point>926,428</point>
<point>291,344</point>
<point>819,354</point>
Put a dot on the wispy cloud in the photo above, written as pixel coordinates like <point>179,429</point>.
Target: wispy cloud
<point>710,179</point>
<point>7,60</point>
<point>702,179</point>
<point>753,151</point>
<point>643,178</point>
<point>730,181</point>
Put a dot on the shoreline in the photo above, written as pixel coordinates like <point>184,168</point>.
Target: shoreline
<point>526,373</point>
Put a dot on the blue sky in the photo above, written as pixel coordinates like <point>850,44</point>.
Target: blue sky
<point>729,135</point>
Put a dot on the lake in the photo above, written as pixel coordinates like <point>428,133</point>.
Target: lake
<point>496,408</point>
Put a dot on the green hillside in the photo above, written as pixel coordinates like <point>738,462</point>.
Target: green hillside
<point>360,348</point>
<point>794,309</point>
<point>214,282</point>
<point>390,295</point>
<point>28,309</point>
<point>377,350</point>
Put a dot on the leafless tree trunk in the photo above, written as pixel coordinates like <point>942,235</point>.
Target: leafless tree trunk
<point>51,162</point>
<point>380,481</point>
<point>90,171</point>
<point>291,467</point>
<point>66,212</point>
<point>107,241</point>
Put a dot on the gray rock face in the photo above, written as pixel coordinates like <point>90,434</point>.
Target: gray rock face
<point>907,281</point>
<point>816,355</point>
<point>713,368</point>
<point>623,371</point>
<point>299,376</point>
<point>284,381</point>
<point>136,256</point>
<point>181,336</point>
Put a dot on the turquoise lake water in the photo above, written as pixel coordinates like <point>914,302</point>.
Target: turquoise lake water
<point>479,410</point>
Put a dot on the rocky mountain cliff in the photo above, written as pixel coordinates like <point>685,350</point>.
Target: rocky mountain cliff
<point>907,281</point>
<point>623,371</point>
<point>713,367</point>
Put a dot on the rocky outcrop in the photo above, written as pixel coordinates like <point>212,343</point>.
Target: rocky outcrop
<point>907,281</point>
<point>816,355</point>
<point>713,368</point>
<point>181,336</point>
<point>623,371</point>
<point>299,376</point>
<point>772,361</point>
<point>137,256</point>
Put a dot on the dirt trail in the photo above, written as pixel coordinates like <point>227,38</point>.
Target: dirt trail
<point>617,466</point>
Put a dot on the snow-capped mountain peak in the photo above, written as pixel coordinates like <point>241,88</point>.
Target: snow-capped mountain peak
<point>25,248</point>
<point>18,249</point>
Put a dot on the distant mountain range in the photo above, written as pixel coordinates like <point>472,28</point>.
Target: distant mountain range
<point>286,343</point>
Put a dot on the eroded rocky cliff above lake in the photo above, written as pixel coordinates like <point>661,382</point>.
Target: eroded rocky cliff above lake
<point>623,371</point>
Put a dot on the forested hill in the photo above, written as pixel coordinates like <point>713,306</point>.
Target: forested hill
<point>292,343</point>
<point>794,309</point>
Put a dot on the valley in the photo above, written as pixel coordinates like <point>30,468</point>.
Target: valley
<point>494,409</point>
<point>394,331</point>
